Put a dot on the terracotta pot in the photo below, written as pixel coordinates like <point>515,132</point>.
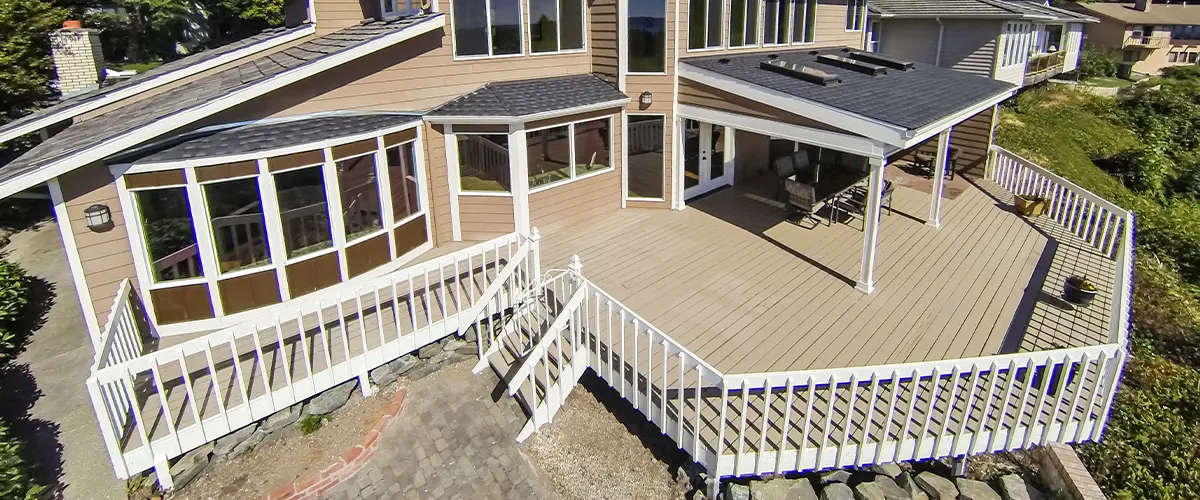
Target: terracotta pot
<point>1031,206</point>
<point>73,24</point>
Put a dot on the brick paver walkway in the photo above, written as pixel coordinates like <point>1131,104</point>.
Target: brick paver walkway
<point>451,442</point>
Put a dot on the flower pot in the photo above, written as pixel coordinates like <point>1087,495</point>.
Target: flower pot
<point>1030,206</point>
<point>1074,292</point>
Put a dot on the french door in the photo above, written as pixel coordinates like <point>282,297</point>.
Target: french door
<point>705,154</point>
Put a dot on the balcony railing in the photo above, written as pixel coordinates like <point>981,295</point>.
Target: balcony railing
<point>1044,66</point>
<point>1149,42</point>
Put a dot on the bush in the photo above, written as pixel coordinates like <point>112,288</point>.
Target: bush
<point>1144,168</point>
<point>311,423</point>
<point>15,481</point>
<point>14,291</point>
<point>1095,62</point>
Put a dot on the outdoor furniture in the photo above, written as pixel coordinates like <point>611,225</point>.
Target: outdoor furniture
<point>927,162</point>
<point>953,163</point>
<point>783,169</point>
<point>803,198</point>
<point>796,166</point>
<point>857,198</point>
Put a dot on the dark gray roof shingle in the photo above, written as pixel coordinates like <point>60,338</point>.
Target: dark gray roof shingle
<point>527,97</point>
<point>1003,9</point>
<point>126,119</point>
<point>909,99</point>
<point>267,136</point>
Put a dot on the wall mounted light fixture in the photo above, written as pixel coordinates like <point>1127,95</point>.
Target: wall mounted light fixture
<point>99,217</point>
<point>646,98</point>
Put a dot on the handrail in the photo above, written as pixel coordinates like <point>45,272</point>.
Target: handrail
<point>539,349</point>
<point>120,339</point>
<point>1093,197</point>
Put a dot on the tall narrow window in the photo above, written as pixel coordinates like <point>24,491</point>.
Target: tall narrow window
<point>170,234</point>
<point>855,14</point>
<point>483,163</point>
<point>359,188</point>
<point>705,23</point>
<point>804,22</point>
<point>571,31</point>
<point>487,27</point>
<point>647,37</point>
<point>402,173</point>
<point>593,151</point>
<point>644,139</point>
<point>239,232</point>
<point>874,32</point>
<point>776,15</point>
<point>303,211</point>
<point>743,23</point>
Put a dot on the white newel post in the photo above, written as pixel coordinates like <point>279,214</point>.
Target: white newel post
<point>866,275</point>
<point>575,268</point>
<point>939,179</point>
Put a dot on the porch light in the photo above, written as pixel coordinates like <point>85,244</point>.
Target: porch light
<point>98,216</point>
<point>647,98</point>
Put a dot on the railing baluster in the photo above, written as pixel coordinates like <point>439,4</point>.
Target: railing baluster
<point>1098,383</point>
<point>215,383</point>
<point>763,429</point>
<point>786,428</point>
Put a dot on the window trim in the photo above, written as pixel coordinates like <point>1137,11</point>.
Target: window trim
<point>795,9</point>
<point>787,23</point>
<point>332,246</point>
<point>860,20</point>
<point>416,173</point>
<point>490,55</point>
<point>378,192</point>
<point>666,44</point>
<point>626,169</point>
<point>721,44</point>
<point>144,253</point>
<point>758,30</point>
<point>571,134</point>
<point>558,12</point>
<point>258,182</point>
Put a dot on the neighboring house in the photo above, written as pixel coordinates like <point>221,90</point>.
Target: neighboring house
<point>253,225</point>
<point>1021,42</point>
<point>1152,37</point>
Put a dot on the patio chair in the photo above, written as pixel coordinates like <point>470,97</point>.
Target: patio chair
<point>783,169</point>
<point>802,198</point>
<point>807,172</point>
<point>857,199</point>
<point>952,164</point>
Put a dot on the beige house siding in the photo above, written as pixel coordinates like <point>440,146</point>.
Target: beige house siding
<point>603,38</point>
<point>333,15</point>
<point>663,89</point>
<point>485,217</point>
<point>1108,33</point>
<point>698,94</point>
<point>439,187</point>
<point>830,32</point>
<point>973,137</point>
<point>970,46</point>
<point>579,201</point>
<point>105,256</point>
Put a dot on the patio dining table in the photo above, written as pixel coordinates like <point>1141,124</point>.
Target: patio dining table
<point>834,183</point>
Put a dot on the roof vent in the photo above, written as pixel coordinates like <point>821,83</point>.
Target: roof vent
<point>723,60</point>
<point>852,65</point>
<point>773,57</point>
<point>886,61</point>
<point>813,52</point>
<point>805,73</point>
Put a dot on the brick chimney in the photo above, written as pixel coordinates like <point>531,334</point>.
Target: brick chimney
<point>1141,5</point>
<point>78,58</point>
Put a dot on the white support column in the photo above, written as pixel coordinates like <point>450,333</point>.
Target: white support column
<point>205,239</point>
<point>939,179</point>
<point>273,218</point>
<point>337,222</point>
<point>866,275</point>
<point>455,182</point>
<point>383,176</point>
<point>519,172</point>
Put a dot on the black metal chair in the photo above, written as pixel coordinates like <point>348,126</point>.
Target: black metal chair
<point>783,169</point>
<point>802,197</point>
<point>857,199</point>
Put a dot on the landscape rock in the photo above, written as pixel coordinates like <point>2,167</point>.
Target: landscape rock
<point>249,443</point>
<point>905,482</point>
<point>429,351</point>
<point>329,401</point>
<point>423,371</point>
<point>1014,487</point>
<point>868,491</point>
<point>782,489</point>
<point>453,344</point>
<point>471,335</point>
<point>469,350</point>
<point>975,490</point>
<point>889,469</point>
<point>283,418</point>
<point>836,476</point>
<point>735,491</point>
<point>836,491</point>
<point>389,372</point>
<point>938,487</point>
<point>191,465</point>
<point>889,488</point>
<point>228,442</point>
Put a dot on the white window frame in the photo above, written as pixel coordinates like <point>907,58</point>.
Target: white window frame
<point>457,167</point>
<point>142,252</point>
<point>625,157</point>
<point>528,17</point>
<point>262,192</point>
<point>720,45</point>
<point>666,43</point>
<point>378,191</point>
<point>796,4</point>
<point>571,140</point>
<point>786,23</point>
<point>874,36</point>
<point>857,9</point>
<point>758,25</point>
<point>388,6</point>
<point>490,55</point>
<point>417,173</point>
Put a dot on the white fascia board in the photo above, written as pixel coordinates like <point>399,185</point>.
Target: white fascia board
<point>168,123</point>
<point>516,120</point>
<point>153,83</point>
<point>839,118</point>
<point>924,133</point>
<point>847,143</point>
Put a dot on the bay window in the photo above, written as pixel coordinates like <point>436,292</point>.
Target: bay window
<point>483,163</point>
<point>647,37</point>
<point>239,229</point>
<point>555,25</point>
<point>644,139</point>
<point>486,27</point>
<point>804,22</point>
<point>706,22</point>
<point>358,185</point>
<point>743,23</point>
<point>169,235</point>
<point>564,152</point>
<point>303,211</point>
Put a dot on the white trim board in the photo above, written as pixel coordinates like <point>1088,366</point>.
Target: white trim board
<point>861,146</point>
<point>152,83</point>
<point>63,219</point>
<point>166,124</point>
<point>521,120</point>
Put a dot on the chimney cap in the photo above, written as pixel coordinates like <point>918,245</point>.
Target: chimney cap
<point>72,24</point>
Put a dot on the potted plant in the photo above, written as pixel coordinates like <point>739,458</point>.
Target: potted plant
<point>1078,290</point>
<point>1030,206</point>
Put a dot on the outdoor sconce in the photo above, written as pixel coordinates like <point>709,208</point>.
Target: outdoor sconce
<point>99,217</point>
<point>647,98</point>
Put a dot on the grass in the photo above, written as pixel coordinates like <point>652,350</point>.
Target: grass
<point>311,423</point>
<point>1107,81</point>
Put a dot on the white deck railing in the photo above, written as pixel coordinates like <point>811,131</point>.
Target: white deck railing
<point>195,392</point>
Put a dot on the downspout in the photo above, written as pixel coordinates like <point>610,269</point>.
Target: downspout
<point>937,58</point>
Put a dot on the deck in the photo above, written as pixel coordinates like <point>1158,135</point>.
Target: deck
<point>750,292</point>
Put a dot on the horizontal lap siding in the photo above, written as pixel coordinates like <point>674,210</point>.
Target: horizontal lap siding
<point>106,256</point>
<point>602,38</point>
<point>970,46</point>
<point>973,137</point>
<point>910,39</point>
<point>578,201</point>
<point>698,94</point>
<point>333,15</point>
<point>485,217</point>
<point>439,187</point>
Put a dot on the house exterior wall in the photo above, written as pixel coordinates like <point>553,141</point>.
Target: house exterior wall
<point>575,201</point>
<point>698,94</point>
<point>1112,34</point>
<point>969,45</point>
<point>909,39</point>
<point>1072,44</point>
<point>603,27</point>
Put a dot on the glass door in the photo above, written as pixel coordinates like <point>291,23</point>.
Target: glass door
<point>705,158</point>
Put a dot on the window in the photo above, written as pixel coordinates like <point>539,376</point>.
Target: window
<point>399,7</point>
<point>1191,57</point>
<point>644,139</point>
<point>856,12</point>
<point>303,211</point>
<point>777,15</point>
<point>743,23</point>
<point>1173,56</point>
<point>804,22</point>
<point>705,23</point>
<point>406,199</point>
<point>559,154</point>
<point>483,163</point>
<point>1054,38</point>
<point>239,232</point>
<point>874,32</point>
<point>1129,56</point>
<point>169,233</point>
<point>647,37</point>
<point>1185,32</point>
<point>555,25</point>
<point>487,27</point>
<point>1017,39</point>
<point>359,188</point>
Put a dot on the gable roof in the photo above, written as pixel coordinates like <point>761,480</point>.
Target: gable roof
<point>1169,14</point>
<point>114,131</point>
<point>975,9</point>
<point>78,104</point>
<point>524,98</point>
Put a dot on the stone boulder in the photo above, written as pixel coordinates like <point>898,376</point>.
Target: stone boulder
<point>389,372</point>
<point>782,489</point>
<point>975,490</point>
<point>836,491</point>
<point>470,335</point>
<point>836,476</point>
<point>423,371</point>
<point>735,491</point>
<point>429,351</point>
<point>938,487</point>
<point>889,488</point>
<point>189,466</point>
<point>453,344</point>
<point>1014,487</point>
<point>249,443</point>
<point>868,491</point>
<point>225,444</point>
<point>889,469</point>
<point>906,482</point>
<point>333,398</point>
<point>283,418</point>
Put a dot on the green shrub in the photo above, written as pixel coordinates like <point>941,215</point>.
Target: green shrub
<point>1095,62</point>
<point>14,291</point>
<point>311,423</point>
<point>1144,168</point>
<point>15,481</point>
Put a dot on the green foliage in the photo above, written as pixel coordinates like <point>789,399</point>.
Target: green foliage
<point>311,423</point>
<point>24,54</point>
<point>15,480</point>
<point>14,291</point>
<point>1095,62</point>
<point>1144,168</point>
<point>1190,72</point>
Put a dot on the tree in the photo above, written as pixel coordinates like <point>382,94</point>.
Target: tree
<point>25,54</point>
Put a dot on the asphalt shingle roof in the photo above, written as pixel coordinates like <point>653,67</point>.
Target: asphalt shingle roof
<point>527,97</point>
<point>955,8</point>
<point>82,135</point>
<point>1168,14</point>
<point>909,99</point>
<point>257,137</point>
<point>165,69</point>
